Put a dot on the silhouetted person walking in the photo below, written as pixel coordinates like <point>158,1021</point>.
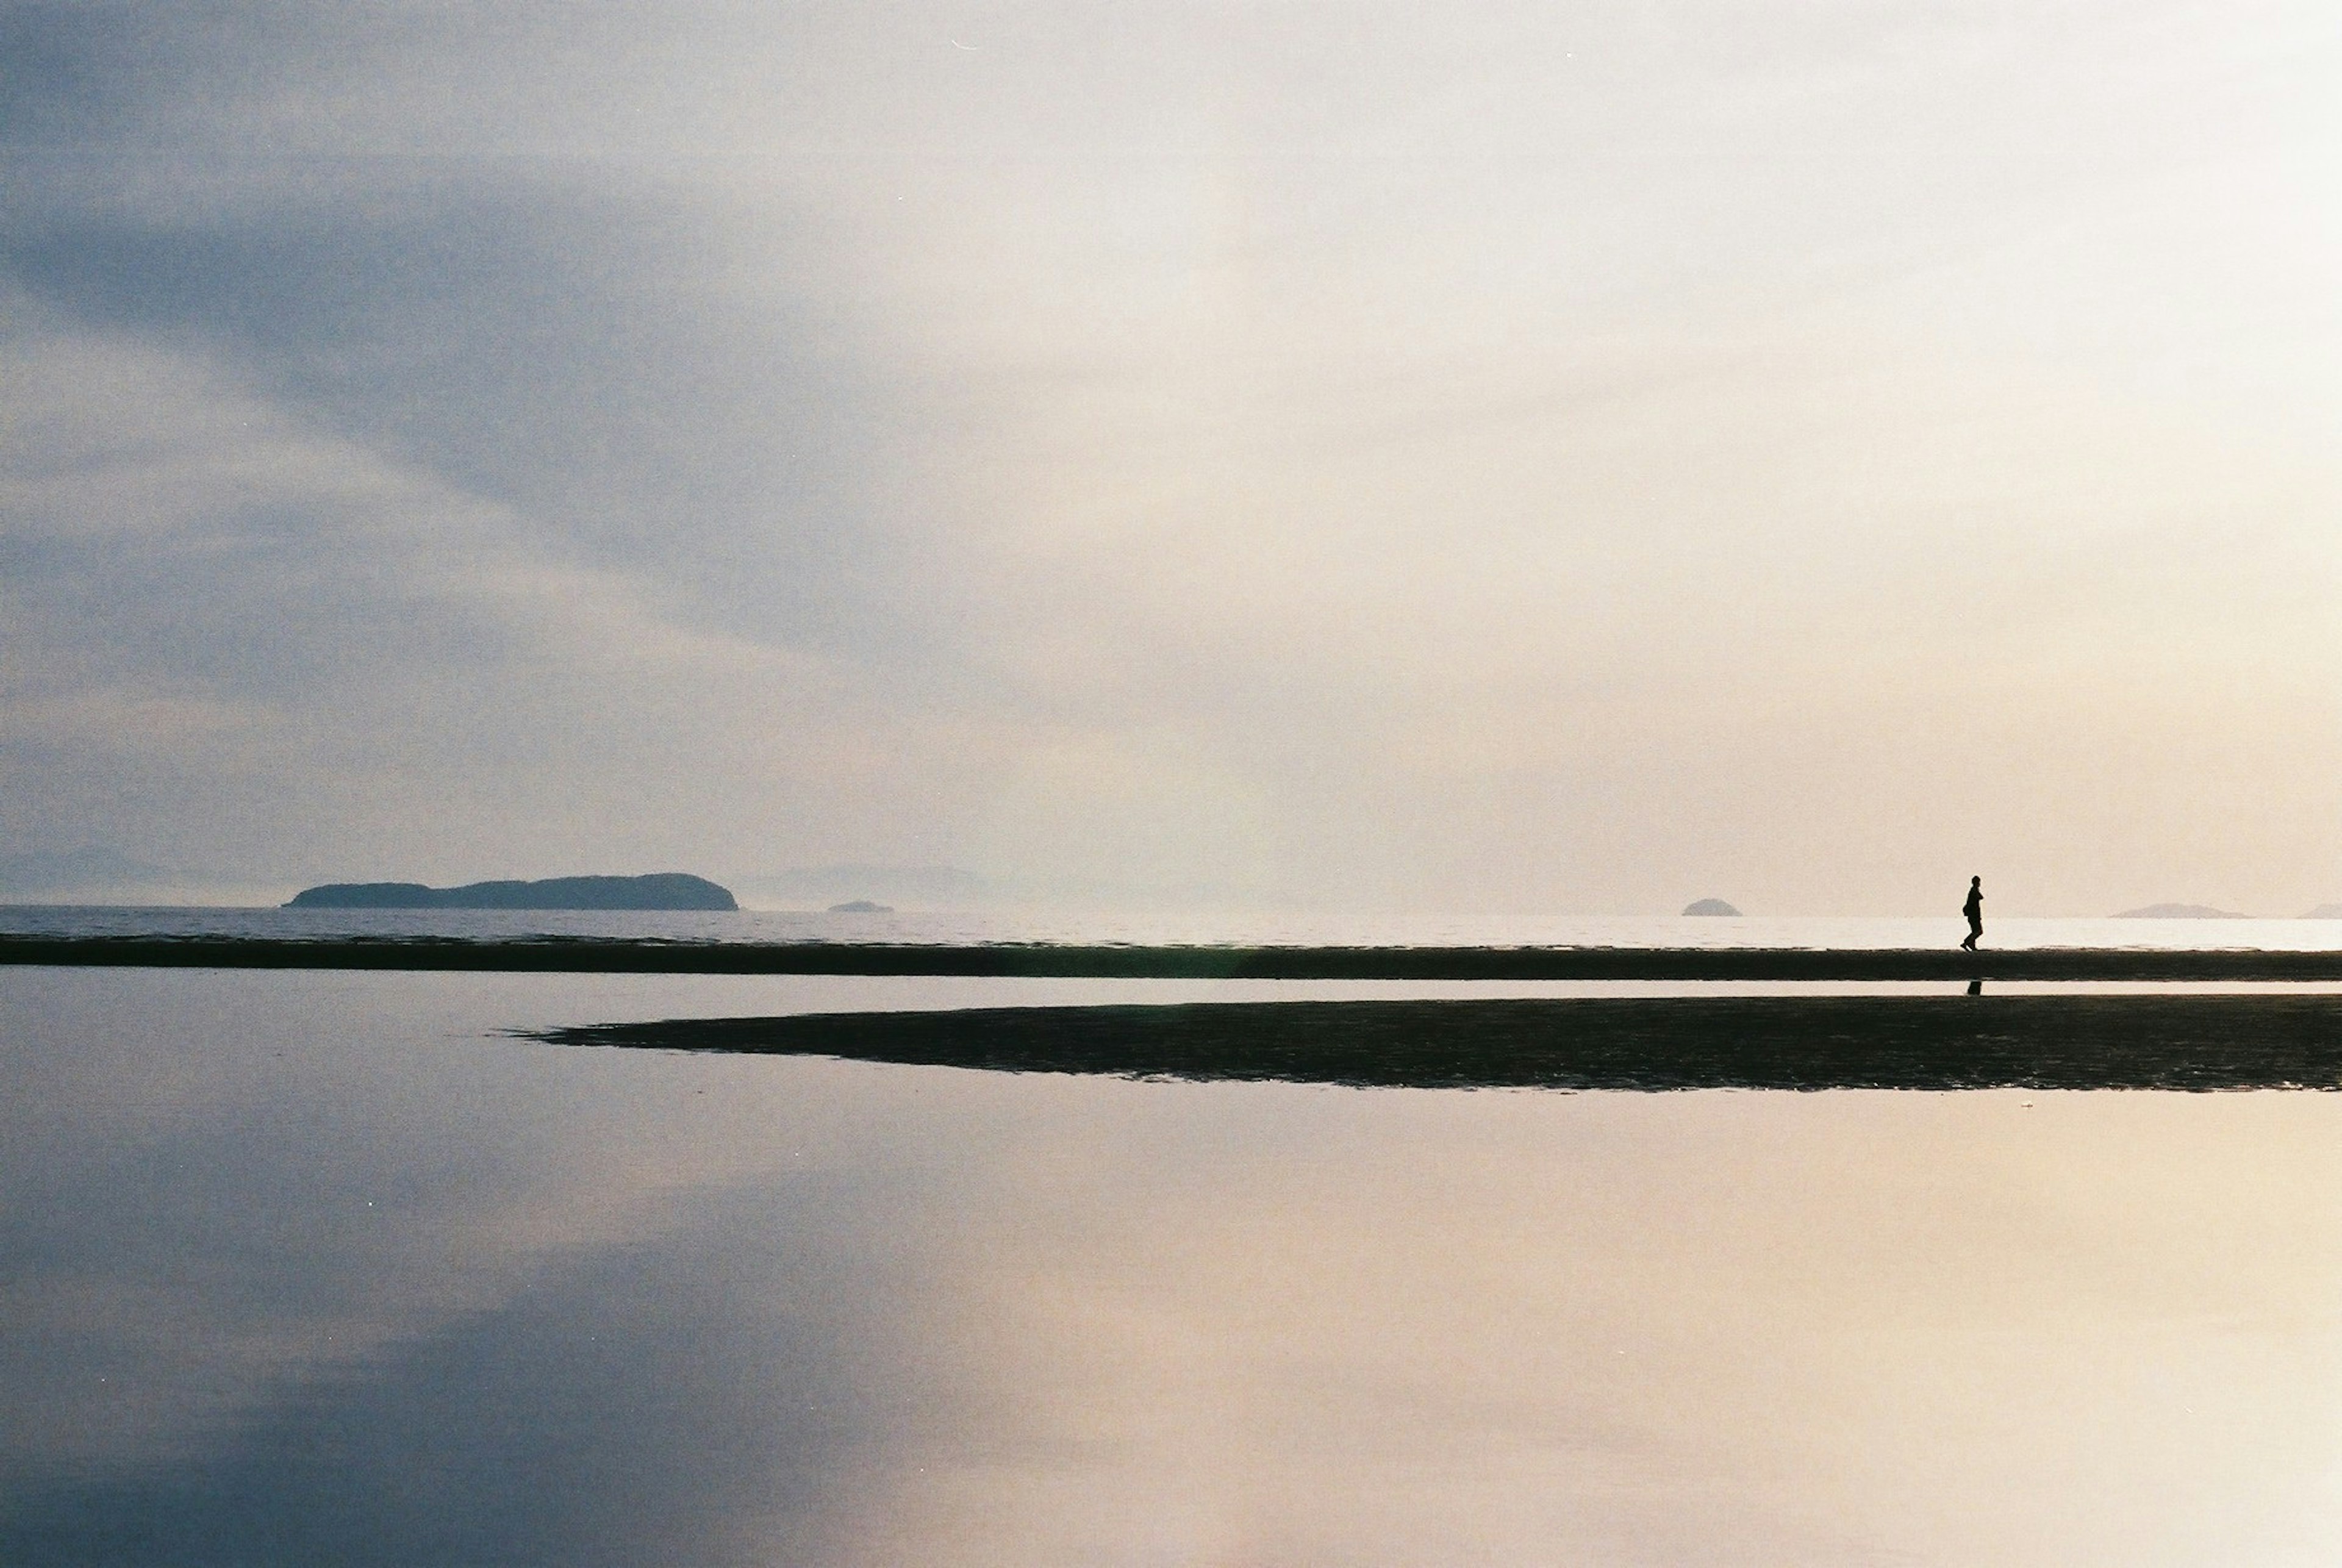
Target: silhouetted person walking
<point>1974,910</point>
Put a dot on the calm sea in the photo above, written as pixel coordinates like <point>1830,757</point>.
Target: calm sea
<point>1240,928</point>
<point>305,1268</point>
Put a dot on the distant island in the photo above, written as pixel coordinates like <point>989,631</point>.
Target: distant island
<point>2180,912</point>
<point>819,886</point>
<point>860,906</point>
<point>1709,906</point>
<point>2324,912</point>
<point>661,890</point>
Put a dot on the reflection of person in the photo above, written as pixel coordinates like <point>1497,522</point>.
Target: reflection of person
<point>1974,910</point>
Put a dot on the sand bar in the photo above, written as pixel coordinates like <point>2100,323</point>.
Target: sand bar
<point>613,955</point>
<point>2185,1042</point>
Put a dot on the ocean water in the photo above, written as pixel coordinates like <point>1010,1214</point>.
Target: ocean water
<point>310,1267</point>
<point>1240,928</point>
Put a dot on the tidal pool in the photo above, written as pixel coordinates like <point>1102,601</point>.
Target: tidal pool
<point>310,1267</point>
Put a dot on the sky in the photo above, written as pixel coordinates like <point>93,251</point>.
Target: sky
<point>1517,458</point>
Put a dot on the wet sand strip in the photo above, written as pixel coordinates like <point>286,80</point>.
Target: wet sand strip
<point>596,955</point>
<point>2189,1042</point>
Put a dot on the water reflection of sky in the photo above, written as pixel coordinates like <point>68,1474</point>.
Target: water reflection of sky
<point>315,1267</point>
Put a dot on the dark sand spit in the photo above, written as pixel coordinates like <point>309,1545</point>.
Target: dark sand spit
<point>2191,1042</point>
<point>586,955</point>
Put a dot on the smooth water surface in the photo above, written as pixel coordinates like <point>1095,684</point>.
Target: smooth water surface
<point>308,1267</point>
<point>1237,929</point>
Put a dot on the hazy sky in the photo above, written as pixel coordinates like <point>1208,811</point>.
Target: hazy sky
<point>1570,457</point>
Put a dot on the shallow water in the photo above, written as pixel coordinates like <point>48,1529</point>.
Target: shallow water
<point>1240,928</point>
<point>308,1267</point>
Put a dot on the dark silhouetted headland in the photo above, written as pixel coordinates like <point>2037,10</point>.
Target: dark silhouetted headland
<point>2180,912</point>
<point>2120,1041</point>
<point>1709,906</point>
<point>661,890</point>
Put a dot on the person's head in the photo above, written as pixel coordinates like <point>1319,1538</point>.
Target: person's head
<point>1975,881</point>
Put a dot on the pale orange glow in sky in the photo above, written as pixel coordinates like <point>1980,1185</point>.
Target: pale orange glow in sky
<point>1511,457</point>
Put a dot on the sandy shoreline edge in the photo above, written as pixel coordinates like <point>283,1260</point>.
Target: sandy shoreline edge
<point>555,954</point>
